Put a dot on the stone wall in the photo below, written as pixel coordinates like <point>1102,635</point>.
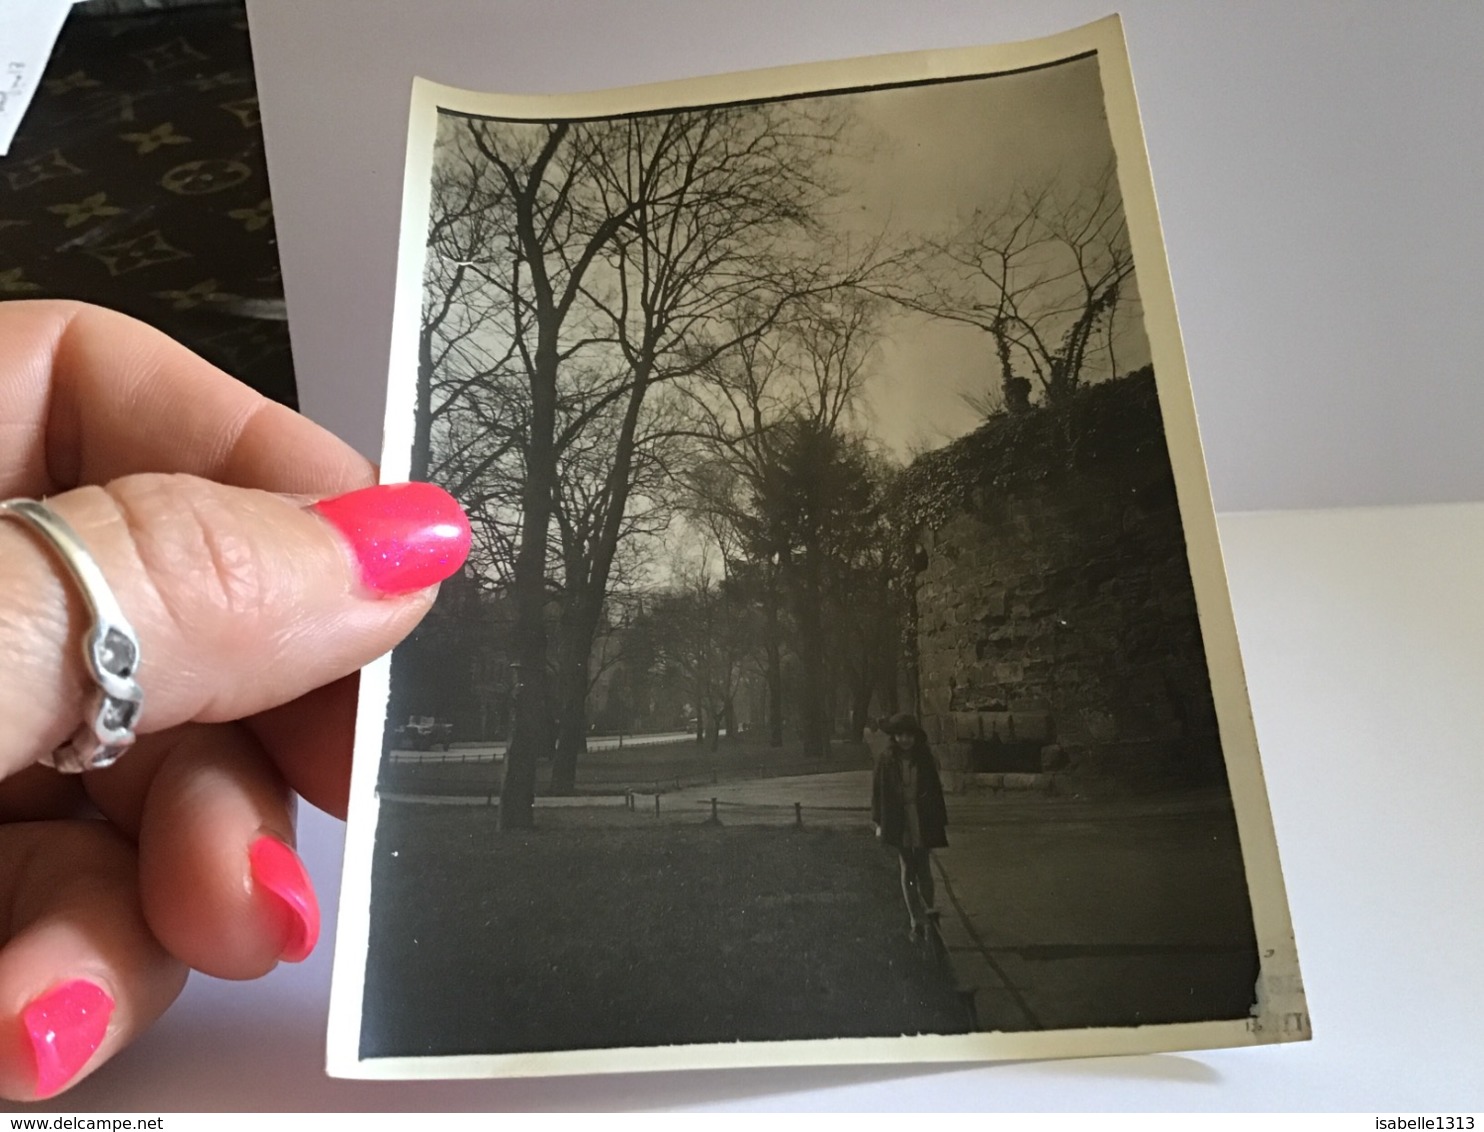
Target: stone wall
<point>1056,624</point>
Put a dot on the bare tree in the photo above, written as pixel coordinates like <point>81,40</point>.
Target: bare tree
<point>1041,274</point>
<point>585,499</point>
<point>506,271</point>
<point>581,266</point>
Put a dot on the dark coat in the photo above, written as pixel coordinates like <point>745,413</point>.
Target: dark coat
<point>888,806</point>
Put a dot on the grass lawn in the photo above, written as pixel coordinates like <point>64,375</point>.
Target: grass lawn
<point>573,938</point>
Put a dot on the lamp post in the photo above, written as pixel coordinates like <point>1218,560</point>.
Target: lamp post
<point>510,731</point>
<point>516,686</point>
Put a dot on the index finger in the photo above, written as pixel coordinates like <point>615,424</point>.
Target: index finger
<point>88,395</point>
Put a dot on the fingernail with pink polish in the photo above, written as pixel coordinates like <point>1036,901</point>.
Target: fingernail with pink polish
<point>65,1026</point>
<point>406,536</point>
<point>278,871</point>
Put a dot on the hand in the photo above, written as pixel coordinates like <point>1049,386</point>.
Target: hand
<point>254,607</point>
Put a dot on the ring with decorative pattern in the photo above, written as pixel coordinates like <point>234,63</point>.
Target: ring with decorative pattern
<point>110,648</point>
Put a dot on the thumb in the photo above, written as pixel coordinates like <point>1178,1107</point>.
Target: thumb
<point>241,600</point>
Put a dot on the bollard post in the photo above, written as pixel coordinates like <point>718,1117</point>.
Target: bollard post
<point>656,804</point>
<point>799,814</point>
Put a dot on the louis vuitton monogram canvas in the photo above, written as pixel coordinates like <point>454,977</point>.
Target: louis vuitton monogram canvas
<point>137,181</point>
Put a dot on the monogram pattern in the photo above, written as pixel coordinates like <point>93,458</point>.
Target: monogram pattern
<point>148,141</point>
<point>137,181</point>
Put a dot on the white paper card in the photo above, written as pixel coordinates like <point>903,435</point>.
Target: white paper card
<point>28,32</point>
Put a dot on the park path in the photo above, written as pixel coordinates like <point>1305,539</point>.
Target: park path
<point>495,752</point>
<point>1099,915</point>
<point>1058,912</point>
<point>833,799</point>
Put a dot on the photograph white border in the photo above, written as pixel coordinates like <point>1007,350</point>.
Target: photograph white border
<point>1280,1013</point>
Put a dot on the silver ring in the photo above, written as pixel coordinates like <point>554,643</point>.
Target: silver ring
<point>110,648</point>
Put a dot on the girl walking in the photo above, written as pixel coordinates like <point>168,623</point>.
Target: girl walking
<point>910,815</point>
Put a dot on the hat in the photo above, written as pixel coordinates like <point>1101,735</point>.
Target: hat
<point>903,723</point>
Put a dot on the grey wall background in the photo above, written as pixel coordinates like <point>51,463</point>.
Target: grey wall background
<point>1318,167</point>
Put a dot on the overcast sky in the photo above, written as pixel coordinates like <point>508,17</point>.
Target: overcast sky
<point>928,155</point>
<point>916,162</point>
<point>919,159</point>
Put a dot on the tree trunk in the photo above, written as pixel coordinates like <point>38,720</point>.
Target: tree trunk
<point>892,626</point>
<point>812,660</point>
<point>574,653</point>
<point>729,717</point>
<point>860,711</point>
<point>571,740</point>
<point>889,674</point>
<point>530,738</point>
<point>773,643</point>
<point>701,695</point>
<point>529,735</point>
<point>812,692</point>
<point>422,420</point>
<point>589,588</point>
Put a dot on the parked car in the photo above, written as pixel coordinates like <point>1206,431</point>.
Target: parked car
<point>423,733</point>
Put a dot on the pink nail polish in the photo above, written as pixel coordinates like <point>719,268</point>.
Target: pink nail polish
<point>406,536</point>
<point>65,1025</point>
<point>277,870</point>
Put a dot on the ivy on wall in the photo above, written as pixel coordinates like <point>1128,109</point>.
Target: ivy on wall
<point>1104,423</point>
<point>1094,429</point>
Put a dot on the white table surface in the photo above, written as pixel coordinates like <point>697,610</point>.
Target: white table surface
<point>1363,633</point>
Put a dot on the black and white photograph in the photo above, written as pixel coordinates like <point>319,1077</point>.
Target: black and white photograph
<point>843,670</point>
